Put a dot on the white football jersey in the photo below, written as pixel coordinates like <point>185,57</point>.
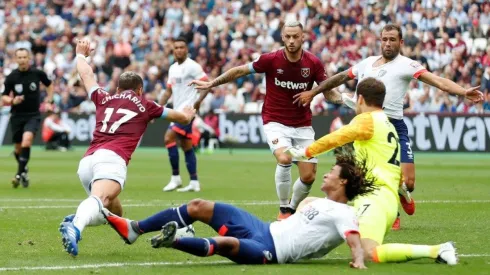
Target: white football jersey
<point>179,76</point>
<point>313,231</point>
<point>396,75</point>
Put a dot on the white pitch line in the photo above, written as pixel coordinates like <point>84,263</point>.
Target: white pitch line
<point>237,202</point>
<point>129,264</point>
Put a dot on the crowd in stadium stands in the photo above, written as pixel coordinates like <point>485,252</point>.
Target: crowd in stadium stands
<point>449,37</point>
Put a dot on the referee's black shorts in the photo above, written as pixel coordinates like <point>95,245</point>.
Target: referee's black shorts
<point>24,123</point>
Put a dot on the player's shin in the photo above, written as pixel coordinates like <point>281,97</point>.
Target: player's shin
<point>89,213</point>
<point>155,222</point>
<point>23,159</point>
<point>300,192</point>
<point>196,246</point>
<point>388,253</point>
<point>283,183</point>
<point>173,155</point>
<point>191,162</point>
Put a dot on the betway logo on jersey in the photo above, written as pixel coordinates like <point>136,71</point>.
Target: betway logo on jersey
<point>290,85</point>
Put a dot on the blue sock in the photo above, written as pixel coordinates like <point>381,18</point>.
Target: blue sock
<point>196,246</point>
<point>173,155</point>
<point>155,222</point>
<point>191,162</point>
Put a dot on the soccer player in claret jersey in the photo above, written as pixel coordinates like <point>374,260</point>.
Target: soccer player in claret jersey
<point>121,120</point>
<point>183,71</point>
<point>288,71</point>
<point>376,142</point>
<point>319,225</point>
<point>396,72</point>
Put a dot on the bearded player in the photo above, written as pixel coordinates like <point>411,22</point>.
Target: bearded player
<point>288,71</point>
<point>396,72</point>
<point>121,120</point>
<point>180,74</point>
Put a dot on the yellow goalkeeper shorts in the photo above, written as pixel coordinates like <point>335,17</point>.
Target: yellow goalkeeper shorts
<point>376,213</point>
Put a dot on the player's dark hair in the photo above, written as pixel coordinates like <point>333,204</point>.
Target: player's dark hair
<point>373,91</point>
<point>393,27</point>
<point>355,172</point>
<point>181,39</point>
<point>22,49</point>
<point>130,81</point>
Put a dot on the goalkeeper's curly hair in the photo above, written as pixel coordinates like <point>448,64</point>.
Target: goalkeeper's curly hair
<point>355,172</point>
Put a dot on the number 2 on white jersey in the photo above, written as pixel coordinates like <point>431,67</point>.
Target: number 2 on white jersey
<point>108,113</point>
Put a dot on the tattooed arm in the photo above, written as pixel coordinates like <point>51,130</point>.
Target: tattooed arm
<point>332,82</point>
<point>333,96</point>
<point>230,75</point>
<point>326,87</point>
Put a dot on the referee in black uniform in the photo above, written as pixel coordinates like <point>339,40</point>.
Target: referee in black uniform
<point>22,93</point>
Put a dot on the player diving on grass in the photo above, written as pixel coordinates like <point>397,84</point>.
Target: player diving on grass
<point>396,72</point>
<point>288,71</point>
<point>376,141</point>
<point>121,120</point>
<point>312,232</point>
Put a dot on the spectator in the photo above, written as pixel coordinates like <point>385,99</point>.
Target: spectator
<point>445,37</point>
<point>55,132</point>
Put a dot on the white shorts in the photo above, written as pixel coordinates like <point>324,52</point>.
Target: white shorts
<point>279,135</point>
<point>103,164</point>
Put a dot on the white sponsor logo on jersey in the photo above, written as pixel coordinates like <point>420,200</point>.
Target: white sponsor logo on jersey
<point>290,85</point>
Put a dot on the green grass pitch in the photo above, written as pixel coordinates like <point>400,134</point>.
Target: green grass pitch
<point>453,194</point>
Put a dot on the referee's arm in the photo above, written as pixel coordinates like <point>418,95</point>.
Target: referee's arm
<point>6,98</point>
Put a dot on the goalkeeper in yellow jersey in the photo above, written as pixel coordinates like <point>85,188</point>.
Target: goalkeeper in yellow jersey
<point>376,141</point>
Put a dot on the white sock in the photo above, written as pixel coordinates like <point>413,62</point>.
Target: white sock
<point>283,183</point>
<point>89,213</point>
<point>300,192</point>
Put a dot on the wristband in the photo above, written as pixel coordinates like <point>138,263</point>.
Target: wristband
<point>82,56</point>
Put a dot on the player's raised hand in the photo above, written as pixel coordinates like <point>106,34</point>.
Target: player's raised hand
<point>201,85</point>
<point>474,94</point>
<point>303,98</point>
<point>83,47</point>
<point>296,152</point>
<point>357,265</point>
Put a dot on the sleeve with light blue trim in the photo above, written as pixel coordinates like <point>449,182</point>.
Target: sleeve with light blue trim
<point>165,113</point>
<point>251,67</point>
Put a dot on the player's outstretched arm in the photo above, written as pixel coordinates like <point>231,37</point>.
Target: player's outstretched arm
<point>230,75</point>
<point>84,70</point>
<point>449,86</point>
<point>354,242</point>
<point>305,98</point>
<point>185,117</point>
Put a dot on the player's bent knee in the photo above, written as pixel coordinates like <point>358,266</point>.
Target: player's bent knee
<point>196,206</point>
<point>308,178</point>
<point>284,159</point>
<point>106,190</point>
